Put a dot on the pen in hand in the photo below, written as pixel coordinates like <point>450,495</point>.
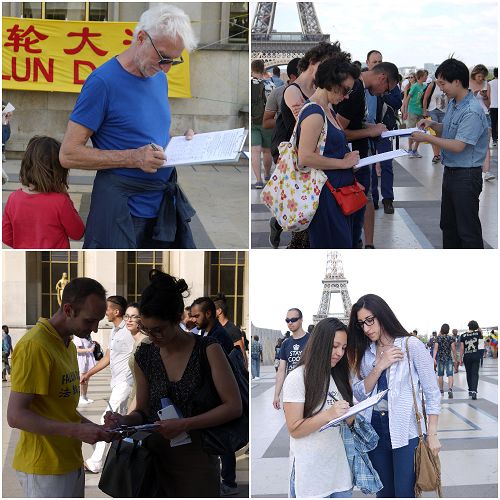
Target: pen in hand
<point>154,147</point>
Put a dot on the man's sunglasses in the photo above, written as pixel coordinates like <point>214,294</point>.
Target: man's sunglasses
<point>163,59</point>
<point>292,320</point>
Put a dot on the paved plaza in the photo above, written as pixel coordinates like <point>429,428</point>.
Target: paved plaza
<point>417,206</point>
<point>219,194</point>
<point>468,431</point>
<point>99,391</point>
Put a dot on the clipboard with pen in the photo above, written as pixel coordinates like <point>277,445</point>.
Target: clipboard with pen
<point>353,410</point>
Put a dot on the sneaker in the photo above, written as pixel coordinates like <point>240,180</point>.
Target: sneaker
<point>416,154</point>
<point>275,234</point>
<point>83,402</point>
<point>474,395</point>
<point>90,400</point>
<point>259,185</point>
<point>256,378</point>
<point>436,159</point>
<point>267,177</point>
<point>371,247</point>
<point>227,491</point>
<point>488,176</point>
<point>494,144</point>
<point>388,206</point>
<point>450,393</point>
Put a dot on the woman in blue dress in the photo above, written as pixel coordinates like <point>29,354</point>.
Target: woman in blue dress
<point>330,228</point>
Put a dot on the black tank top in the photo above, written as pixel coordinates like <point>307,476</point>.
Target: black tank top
<point>285,124</point>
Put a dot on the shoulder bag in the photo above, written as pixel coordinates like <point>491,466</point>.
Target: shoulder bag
<point>427,465</point>
<point>233,435</point>
<point>292,193</point>
<point>351,198</point>
<point>130,471</point>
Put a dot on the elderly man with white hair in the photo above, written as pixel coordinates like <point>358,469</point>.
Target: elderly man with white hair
<point>123,109</point>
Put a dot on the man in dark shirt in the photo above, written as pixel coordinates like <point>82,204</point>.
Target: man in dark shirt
<point>203,312</point>
<point>291,351</point>
<point>352,115</point>
<point>469,356</point>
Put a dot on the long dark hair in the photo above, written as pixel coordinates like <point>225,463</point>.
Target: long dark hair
<point>316,360</point>
<point>358,341</point>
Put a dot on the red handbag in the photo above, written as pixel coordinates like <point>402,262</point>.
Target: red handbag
<point>349,198</point>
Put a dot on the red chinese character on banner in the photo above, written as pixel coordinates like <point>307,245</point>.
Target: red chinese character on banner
<point>86,35</point>
<point>130,33</point>
<point>20,38</point>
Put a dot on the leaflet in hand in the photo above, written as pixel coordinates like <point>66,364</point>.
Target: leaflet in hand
<point>371,160</point>
<point>212,147</point>
<point>170,412</point>
<point>402,132</point>
<point>366,403</point>
<point>8,109</point>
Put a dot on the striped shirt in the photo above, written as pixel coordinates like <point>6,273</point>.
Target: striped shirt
<point>402,422</point>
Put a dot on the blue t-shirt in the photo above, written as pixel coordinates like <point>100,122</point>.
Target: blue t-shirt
<point>465,122</point>
<point>291,351</point>
<point>126,112</point>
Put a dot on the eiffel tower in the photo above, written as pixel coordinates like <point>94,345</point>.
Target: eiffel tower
<point>279,48</point>
<point>334,282</point>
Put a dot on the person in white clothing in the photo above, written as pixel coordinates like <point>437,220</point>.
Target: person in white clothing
<point>316,391</point>
<point>121,345</point>
<point>377,355</point>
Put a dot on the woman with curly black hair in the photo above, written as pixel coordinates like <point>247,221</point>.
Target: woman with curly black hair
<point>334,80</point>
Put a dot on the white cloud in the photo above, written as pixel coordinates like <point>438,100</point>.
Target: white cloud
<point>426,31</point>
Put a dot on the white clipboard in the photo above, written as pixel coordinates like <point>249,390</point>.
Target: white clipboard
<point>366,403</point>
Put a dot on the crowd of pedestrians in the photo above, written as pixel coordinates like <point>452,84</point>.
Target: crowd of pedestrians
<point>154,362</point>
<point>456,106</point>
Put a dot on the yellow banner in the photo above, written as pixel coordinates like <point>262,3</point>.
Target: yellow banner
<point>58,56</point>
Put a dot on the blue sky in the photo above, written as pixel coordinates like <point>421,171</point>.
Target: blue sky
<point>407,33</point>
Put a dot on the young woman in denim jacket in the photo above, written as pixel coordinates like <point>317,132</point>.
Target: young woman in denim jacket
<point>377,355</point>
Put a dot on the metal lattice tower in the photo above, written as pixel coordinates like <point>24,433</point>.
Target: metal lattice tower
<point>334,282</point>
<point>279,48</point>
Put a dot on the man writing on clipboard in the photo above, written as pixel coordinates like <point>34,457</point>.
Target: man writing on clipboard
<point>123,108</point>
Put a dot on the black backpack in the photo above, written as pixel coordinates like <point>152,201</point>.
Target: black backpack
<point>258,95</point>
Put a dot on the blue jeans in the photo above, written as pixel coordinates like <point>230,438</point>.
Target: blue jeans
<point>338,494</point>
<point>387,174</point>
<point>255,367</point>
<point>395,467</point>
<point>443,366</point>
<point>5,136</point>
<point>143,229</point>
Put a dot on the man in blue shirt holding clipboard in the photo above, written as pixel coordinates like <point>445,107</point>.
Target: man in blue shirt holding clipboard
<point>123,109</point>
<point>463,138</point>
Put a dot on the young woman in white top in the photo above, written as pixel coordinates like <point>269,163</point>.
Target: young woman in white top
<point>482,92</point>
<point>377,355</point>
<point>315,392</point>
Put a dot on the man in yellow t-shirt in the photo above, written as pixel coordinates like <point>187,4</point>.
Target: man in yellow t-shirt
<point>45,393</point>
